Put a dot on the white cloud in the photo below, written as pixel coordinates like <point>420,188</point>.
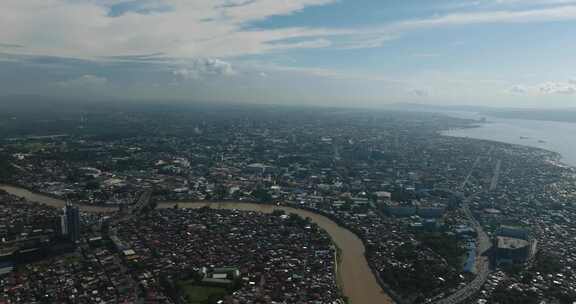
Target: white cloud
<point>559,13</point>
<point>261,9</point>
<point>185,29</point>
<point>524,2</point>
<point>564,88</point>
<point>84,82</point>
<point>546,88</point>
<point>205,67</point>
<point>305,44</point>
<point>204,28</point>
<point>419,92</point>
<point>321,72</point>
<point>518,89</point>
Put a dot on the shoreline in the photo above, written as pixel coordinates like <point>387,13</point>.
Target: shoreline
<point>559,159</point>
<point>557,156</point>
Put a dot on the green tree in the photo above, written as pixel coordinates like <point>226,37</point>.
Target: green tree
<point>278,212</point>
<point>262,195</point>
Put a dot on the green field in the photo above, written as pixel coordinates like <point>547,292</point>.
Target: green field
<point>201,294</point>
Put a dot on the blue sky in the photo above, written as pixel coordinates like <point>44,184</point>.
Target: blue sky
<point>369,53</point>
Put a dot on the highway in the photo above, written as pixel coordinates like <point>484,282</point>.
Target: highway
<point>483,244</point>
<point>142,201</point>
<point>482,262</point>
<point>496,175</point>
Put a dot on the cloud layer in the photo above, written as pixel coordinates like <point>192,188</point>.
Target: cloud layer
<point>105,29</point>
<point>205,67</point>
<point>546,88</point>
<point>270,50</point>
<point>84,82</point>
<point>173,28</point>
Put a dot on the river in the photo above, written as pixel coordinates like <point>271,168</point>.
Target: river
<point>50,201</point>
<point>357,280</point>
<point>354,275</point>
<point>549,135</point>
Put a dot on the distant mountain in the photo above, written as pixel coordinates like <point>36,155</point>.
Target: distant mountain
<point>430,107</point>
<point>20,103</point>
<point>564,115</point>
<point>37,104</point>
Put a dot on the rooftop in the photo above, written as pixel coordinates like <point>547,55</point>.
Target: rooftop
<point>505,242</point>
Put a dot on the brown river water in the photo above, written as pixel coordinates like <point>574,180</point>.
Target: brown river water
<point>355,277</point>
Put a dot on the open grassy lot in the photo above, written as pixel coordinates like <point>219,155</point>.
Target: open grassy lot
<point>201,294</point>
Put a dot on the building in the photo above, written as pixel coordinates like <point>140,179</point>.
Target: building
<point>465,232</point>
<point>512,231</point>
<point>401,211</point>
<point>222,277</point>
<point>408,210</point>
<point>7,250</point>
<point>70,223</point>
<point>511,250</point>
<point>470,264</point>
<point>431,212</point>
<point>513,245</point>
<point>258,168</point>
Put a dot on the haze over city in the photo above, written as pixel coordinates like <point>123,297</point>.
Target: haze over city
<point>287,151</point>
<point>503,53</point>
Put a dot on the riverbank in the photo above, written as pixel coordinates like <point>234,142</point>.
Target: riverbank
<point>359,283</point>
<point>52,201</point>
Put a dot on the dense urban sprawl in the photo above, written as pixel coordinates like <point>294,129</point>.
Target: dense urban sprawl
<point>423,204</point>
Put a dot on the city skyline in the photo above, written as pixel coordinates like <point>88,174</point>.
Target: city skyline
<point>504,53</point>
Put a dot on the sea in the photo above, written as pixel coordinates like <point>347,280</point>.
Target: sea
<point>554,136</point>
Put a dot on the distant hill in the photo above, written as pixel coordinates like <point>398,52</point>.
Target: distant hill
<point>50,105</point>
<point>45,104</point>
<point>566,115</point>
<point>432,107</point>
<point>563,115</point>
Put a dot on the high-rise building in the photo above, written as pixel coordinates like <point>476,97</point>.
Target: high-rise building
<point>513,245</point>
<point>64,223</point>
<point>70,221</point>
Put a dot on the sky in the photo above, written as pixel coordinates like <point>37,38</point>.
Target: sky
<point>365,53</point>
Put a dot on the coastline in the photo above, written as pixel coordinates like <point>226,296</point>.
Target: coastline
<point>555,157</point>
<point>524,126</point>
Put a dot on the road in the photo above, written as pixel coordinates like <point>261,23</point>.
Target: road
<point>469,174</point>
<point>496,175</point>
<point>142,201</point>
<point>482,261</point>
<point>483,243</point>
